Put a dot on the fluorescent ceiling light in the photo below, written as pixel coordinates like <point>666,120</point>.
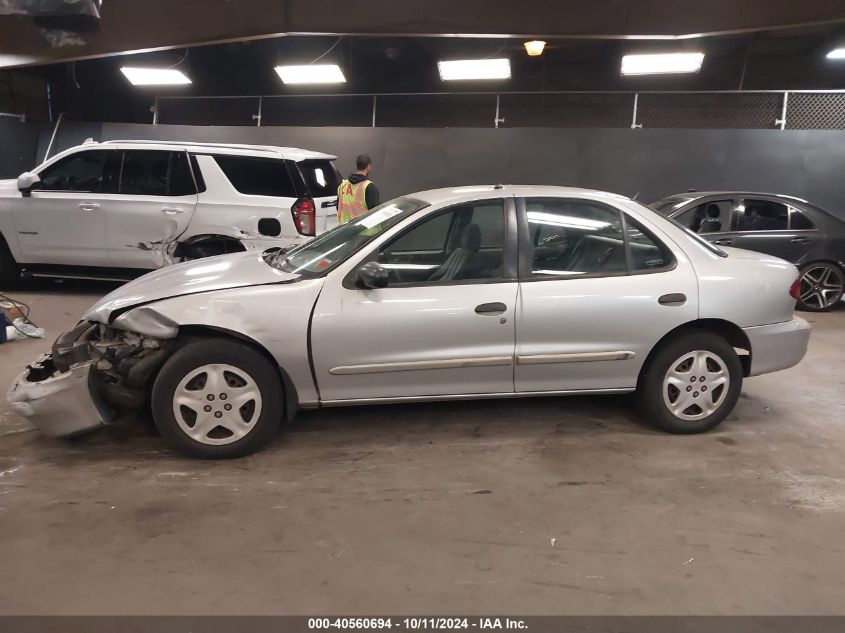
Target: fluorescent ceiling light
<point>475,69</point>
<point>836,53</point>
<point>311,74</point>
<point>155,76</point>
<point>662,63</point>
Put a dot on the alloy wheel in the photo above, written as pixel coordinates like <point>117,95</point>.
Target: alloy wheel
<point>821,287</point>
<point>696,385</point>
<point>217,404</point>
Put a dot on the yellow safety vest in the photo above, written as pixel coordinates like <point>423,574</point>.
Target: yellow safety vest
<point>351,200</point>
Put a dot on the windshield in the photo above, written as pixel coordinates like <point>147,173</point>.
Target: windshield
<point>329,249</point>
<point>667,205</point>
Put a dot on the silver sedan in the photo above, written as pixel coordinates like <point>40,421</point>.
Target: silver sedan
<point>472,292</point>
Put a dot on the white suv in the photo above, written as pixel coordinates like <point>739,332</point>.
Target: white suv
<point>119,208</point>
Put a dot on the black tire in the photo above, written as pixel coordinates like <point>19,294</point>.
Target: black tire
<point>650,397</point>
<point>249,364</point>
<point>817,291</point>
<point>10,273</point>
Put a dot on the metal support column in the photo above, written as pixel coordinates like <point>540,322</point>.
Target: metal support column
<point>634,124</point>
<point>498,119</point>
<point>257,117</point>
<point>781,122</point>
<point>155,112</point>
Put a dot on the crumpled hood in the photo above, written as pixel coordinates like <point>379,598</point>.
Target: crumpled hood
<point>202,275</point>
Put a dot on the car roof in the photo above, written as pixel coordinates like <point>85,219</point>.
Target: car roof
<point>294,153</point>
<point>473,192</point>
<point>695,195</point>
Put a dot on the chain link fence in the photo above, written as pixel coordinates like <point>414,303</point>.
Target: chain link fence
<point>805,110</point>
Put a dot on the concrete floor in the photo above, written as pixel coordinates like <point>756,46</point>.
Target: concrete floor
<point>545,506</point>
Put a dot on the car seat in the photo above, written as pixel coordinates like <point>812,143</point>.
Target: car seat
<point>462,262</point>
<point>711,223</point>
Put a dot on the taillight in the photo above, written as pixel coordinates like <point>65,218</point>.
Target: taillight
<point>795,289</point>
<point>304,216</point>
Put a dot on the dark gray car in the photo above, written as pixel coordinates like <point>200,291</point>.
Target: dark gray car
<point>783,226</point>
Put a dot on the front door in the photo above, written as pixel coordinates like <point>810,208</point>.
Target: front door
<point>63,221</point>
<point>443,326</point>
<point>154,202</point>
<point>596,295</point>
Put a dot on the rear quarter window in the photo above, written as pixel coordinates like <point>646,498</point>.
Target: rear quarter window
<point>257,176</point>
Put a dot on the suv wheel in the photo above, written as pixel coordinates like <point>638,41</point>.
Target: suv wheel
<point>691,384</point>
<point>822,285</point>
<point>217,398</point>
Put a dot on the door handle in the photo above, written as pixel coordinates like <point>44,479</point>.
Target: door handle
<point>88,206</point>
<point>673,299</point>
<point>329,203</point>
<point>172,210</point>
<point>725,241</point>
<point>800,240</point>
<point>491,309</point>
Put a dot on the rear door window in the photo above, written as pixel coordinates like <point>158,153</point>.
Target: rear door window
<point>156,173</point>
<point>763,215</point>
<point>256,176</point>
<point>798,221</point>
<point>321,176</point>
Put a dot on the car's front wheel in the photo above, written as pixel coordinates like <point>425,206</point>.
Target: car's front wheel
<point>821,287</point>
<point>217,398</point>
<point>691,383</point>
<point>9,271</point>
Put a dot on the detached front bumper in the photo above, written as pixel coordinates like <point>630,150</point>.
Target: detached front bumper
<point>59,404</point>
<point>777,346</point>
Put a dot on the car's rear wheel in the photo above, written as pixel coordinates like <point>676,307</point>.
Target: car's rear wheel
<point>691,384</point>
<point>218,398</point>
<point>10,273</point>
<point>822,285</point>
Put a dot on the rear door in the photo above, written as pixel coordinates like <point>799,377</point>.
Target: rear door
<point>155,199</point>
<point>322,179</point>
<point>597,291</point>
<point>63,221</point>
<point>766,226</point>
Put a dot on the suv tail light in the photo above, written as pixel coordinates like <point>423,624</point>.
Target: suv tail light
<point>795,289</point>
<point>304,214</point>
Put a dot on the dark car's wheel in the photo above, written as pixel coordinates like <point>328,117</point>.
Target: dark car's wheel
<point>822,284</point>
<point>218,398</point>
<point>10,274</point>
<point>691,383</point>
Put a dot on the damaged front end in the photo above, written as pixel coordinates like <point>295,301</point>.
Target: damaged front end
<point>93,371</point>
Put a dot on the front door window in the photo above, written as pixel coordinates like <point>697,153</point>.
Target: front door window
<point>464,243</point>
<point>709,217</point>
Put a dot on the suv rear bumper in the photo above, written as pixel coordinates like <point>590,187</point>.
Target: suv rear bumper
<point>777,346</point>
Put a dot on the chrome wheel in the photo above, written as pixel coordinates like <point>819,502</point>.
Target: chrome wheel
<point>696,385</point>
<point>217,404</point>
<point>821,287</point>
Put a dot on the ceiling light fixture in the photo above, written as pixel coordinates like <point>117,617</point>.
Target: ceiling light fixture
<point>836,53</point>
<point>662,63</point>
<point>311,74</point>
<point>534,48</point>
<point>155,76</point>
<point>475,69</point>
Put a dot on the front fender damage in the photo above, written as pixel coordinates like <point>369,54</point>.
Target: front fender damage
<point>93,372</point>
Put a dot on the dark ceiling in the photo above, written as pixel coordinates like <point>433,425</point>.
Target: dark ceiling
<point>768,56</point>
<point>134,25</point>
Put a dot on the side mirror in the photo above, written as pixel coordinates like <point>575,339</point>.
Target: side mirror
<point>373,275</point>
<point>26,181</point>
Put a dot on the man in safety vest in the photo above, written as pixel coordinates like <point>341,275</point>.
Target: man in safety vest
<point>357,194</point>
